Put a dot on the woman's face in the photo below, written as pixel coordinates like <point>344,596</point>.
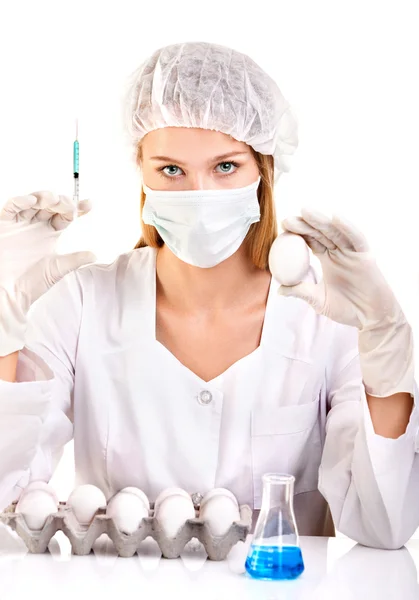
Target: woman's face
<point>182,158</point>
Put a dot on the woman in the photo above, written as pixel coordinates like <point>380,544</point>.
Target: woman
<point>179,364</point>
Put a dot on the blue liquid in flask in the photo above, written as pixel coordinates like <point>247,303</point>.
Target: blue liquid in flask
<point>275,562</point>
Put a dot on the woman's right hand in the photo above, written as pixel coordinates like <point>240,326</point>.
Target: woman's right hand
<point>30,227</point>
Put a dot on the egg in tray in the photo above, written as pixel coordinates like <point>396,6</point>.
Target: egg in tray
<point>215,519</point>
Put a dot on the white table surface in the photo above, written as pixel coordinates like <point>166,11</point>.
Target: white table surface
<point>335,568</point>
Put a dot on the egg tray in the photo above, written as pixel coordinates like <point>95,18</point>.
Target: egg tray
<point>83,538</point>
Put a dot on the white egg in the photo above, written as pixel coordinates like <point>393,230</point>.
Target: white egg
<point>173,491</point>
<point>173,512</point>
<point>36,506</point>
<point>289,259</point>
<point>127,509</point>
<point>220,512</point>
<point>139,493</point>
<point>85,501</point>
<point>40,485</point>
<point>218,492</point>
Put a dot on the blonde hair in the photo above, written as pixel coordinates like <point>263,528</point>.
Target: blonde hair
<point>260,236</point>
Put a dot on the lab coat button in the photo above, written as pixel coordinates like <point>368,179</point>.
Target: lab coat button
<point>204,397</point>
<point>417,442</point>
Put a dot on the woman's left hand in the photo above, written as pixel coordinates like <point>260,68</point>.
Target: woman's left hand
<point>354,292</point>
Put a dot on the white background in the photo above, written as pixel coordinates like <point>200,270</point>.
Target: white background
<point>349,70</point>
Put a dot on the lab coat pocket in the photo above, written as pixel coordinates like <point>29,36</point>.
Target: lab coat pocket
<point>286,440</point>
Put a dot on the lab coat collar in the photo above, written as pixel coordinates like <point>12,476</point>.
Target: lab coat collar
<point>287,319</point>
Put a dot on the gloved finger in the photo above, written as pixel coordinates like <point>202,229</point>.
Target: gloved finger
<point>24,208</point>
<point>41,206</point>
<point>313,243</point>
<point>53,203</point>
<point>65,212</point>
<point>27,215</point>
<point>84,206</point>
<point>358,240</point>
<point>299,226</point>
<point>312,293</point>
<point>49,270</point>
<point>61,221</point>
<point>15,206</point>
<point>47,204</point>
<point>315,246</point>
<point>47,200</point>
<point>325,225</point>
<point>60,265</point>
<point>63,208</point>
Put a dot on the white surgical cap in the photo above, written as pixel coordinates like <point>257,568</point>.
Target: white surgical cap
<point>198,84</point>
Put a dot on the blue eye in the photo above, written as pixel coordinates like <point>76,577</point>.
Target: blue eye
<point>169,167</point>
<point>231,164</point>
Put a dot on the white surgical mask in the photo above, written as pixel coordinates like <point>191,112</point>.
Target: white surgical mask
<point>202,227</point>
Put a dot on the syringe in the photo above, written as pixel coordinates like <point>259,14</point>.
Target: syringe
<point>76,169</point>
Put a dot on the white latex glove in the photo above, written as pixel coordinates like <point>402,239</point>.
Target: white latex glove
<point>354,292</point>
<point>29,265</point>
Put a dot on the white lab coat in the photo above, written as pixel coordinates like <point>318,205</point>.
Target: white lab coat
<point>92,369</point>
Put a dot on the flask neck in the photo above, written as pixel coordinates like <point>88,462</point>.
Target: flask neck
<point>277,494</point>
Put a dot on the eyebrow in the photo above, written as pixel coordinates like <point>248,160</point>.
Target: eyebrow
<point>214,159</point>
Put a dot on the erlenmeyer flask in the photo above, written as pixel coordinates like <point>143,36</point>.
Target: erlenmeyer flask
<point>275,552</point>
